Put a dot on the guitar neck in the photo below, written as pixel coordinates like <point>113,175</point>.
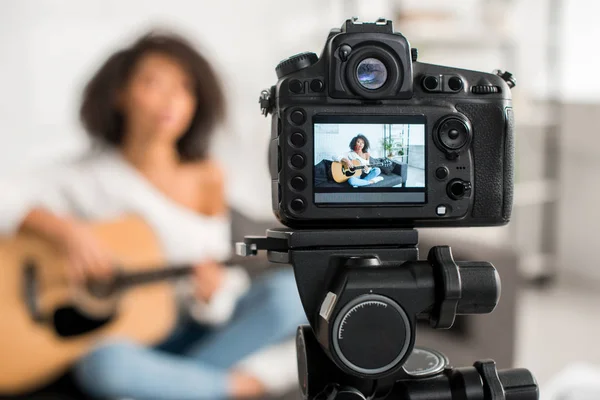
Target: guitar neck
<point>128,280</point>
<point>368,166</point>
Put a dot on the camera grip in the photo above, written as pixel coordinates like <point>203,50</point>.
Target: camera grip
<point>493,155</point>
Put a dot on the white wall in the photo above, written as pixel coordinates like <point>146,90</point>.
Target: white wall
<point>576,41</point>
<point>580,59</point>
<point>49,48</point>
<point>330,146</point>
<point>417,135</point>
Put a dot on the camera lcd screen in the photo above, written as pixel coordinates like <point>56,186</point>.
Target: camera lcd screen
<point>369,160</point>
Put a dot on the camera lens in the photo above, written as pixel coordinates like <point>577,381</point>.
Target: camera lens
<point>371,73</point>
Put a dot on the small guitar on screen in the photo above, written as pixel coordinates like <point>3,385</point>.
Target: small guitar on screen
<point>341,173</point>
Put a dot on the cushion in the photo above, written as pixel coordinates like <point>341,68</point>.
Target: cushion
<point>322,172</point>
<point>387,170</point>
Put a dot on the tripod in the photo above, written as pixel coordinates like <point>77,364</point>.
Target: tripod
<point>363,291</point>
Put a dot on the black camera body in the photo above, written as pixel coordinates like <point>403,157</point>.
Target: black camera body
<point>437,142</point>
<point>367,144</point>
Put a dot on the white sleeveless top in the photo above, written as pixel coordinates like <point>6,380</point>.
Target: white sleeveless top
<point>103,186</point>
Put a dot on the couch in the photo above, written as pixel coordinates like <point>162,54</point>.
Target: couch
<point>395,174</point>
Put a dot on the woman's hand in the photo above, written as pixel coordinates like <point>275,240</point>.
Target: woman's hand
<point>208,277</point>
<point>347,163</point>
<point>88,258</point>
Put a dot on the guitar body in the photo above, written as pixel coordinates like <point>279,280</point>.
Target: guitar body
<point>32,352</point>
<point>341,174</point>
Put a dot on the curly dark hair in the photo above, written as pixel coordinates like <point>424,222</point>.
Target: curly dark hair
<point>102,120</point>
<point>364,139</point>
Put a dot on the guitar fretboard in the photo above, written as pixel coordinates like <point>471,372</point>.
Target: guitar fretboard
<point>127,280</point>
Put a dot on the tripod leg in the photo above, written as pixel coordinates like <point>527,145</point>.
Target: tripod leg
<point>315,369</point>
<point>320,378</point>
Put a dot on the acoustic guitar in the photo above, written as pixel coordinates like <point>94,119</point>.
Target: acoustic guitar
<point>46,323</point>
<point>341,173</point>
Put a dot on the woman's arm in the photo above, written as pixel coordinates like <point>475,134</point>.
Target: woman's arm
<point>346,160</point>
<point>213,292</point>
<point>43,204</point>
<point>45,223</point>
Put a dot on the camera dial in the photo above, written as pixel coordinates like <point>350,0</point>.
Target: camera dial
<point>424,362</point>
<point>452,135</point>
<point>371,334</point>
<point>295,63</point>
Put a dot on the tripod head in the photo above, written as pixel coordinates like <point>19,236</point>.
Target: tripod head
<point>363,292</point>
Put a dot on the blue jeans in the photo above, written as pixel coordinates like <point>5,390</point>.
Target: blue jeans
<point>194,363</point>
<point>374,173</point>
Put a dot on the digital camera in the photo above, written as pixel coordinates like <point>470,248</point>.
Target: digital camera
<point>366,136</point>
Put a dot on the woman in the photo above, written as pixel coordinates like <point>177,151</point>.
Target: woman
<point>151,109</point>
<point>359,146</point>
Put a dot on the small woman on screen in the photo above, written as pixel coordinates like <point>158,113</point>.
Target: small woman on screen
<point>359,146</point>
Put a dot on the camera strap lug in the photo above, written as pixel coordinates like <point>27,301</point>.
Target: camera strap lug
<point>266,101</point>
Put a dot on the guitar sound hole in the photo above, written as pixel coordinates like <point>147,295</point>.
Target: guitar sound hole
<point>68,322</point>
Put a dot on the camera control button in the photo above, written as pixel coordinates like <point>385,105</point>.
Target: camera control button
<point>298,117</point>
<point>457,189</point>
<point>298,204</point>
<point>298,183</point>
<point>441,210</point>
<point>317,85</point>
<point>452,135</point>
<point>455,83</point>
<point>298,139</point>
<point>298,161</point>
<point>296,86</point>
<point>431,83</point>
<point>344,52</point>
<point>442,173</point>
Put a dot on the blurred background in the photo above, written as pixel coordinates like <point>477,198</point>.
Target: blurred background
<point>49,49</point>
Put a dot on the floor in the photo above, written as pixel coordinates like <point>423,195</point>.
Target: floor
<point>558,329</point>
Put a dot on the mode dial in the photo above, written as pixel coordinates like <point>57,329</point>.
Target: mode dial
<point>295,63</point>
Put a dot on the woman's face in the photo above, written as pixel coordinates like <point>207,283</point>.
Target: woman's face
<point>158,101</point>
<point>360,144</point>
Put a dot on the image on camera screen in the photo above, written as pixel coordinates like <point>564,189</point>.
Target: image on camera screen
<point>369,159</point>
